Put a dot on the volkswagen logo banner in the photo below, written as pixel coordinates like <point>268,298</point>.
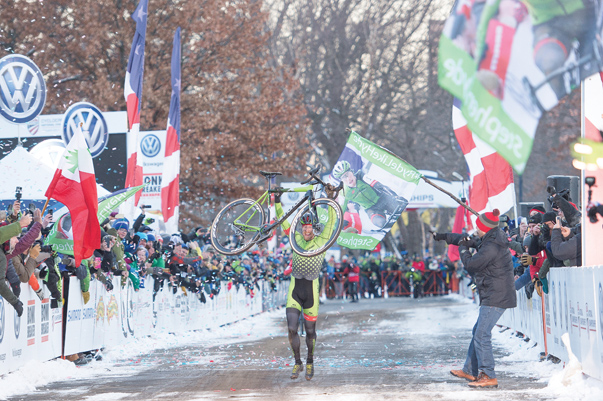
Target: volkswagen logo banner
<point>150,145</point>
<point>94,126</point>
<point>22,89</point>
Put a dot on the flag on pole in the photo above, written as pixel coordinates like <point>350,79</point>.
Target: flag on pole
<point>61,234</point>
<point>376,187</point>
<point>171,165</point>
<point>133,95</point>
<point>510,61</point>
<point>74,185</point>
<point>491,177</point>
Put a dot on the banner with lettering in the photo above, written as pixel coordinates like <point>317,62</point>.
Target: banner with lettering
<point>509,61</point>
<point>376,188</point>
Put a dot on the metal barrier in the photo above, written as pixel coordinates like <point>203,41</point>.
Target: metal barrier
<point>396,283</point>
<point>337,287</point>
<point>434,283</point>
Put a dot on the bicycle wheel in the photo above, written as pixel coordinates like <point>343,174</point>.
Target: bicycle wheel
<point>328,219</point>
<point>236,227</point>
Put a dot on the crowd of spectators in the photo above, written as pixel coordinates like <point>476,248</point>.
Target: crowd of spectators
<point>372,275</point>
<point>541,241</point>
<point>135,251</point>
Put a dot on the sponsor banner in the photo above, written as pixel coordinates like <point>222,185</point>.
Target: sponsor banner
<point>574,305</point>
<point>152,154</point>
<point>43,137</point>
<point>35,336</point>
<point>111,317</point>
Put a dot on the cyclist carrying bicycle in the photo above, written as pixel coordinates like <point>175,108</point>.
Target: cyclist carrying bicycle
<point>377,200</point>
<point>303,289</point>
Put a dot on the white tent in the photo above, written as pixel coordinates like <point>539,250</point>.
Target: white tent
<point>21,169</point>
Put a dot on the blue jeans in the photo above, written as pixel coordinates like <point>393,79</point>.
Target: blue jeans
<point>480,357</point>
<point>523,280</point>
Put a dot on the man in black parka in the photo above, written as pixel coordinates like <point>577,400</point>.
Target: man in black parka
<point>492,269</point>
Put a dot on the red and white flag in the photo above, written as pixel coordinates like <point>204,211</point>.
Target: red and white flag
<point>491,177</point>
<point>170,179</point>
<point>74,185</point>
<point>133,95</point>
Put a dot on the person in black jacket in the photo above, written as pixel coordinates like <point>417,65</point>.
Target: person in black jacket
<point>492,269</point>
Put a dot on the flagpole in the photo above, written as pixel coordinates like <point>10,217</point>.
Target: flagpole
<point>457,200</point>
<point>45,205</point>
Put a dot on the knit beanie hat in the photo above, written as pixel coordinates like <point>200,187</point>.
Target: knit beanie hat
<point>121,223</point>
<point>549,216</point>
<point>488,220</point>
<point>539,209</point>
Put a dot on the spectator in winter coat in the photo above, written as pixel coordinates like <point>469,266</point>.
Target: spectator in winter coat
<point>566,245</point>
<point>7,232</point>
<point>492,269</point>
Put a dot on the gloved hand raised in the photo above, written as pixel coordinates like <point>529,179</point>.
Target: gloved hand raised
<point>528,260</point>
<point>438,236</point>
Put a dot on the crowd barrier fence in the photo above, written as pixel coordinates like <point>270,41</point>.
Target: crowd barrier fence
<point>42,333</point>
<point>573,305</point>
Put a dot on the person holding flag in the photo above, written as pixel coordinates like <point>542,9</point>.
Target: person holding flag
<point>74,185</point>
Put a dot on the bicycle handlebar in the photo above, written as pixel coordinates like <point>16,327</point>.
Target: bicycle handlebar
<point>312,175</point>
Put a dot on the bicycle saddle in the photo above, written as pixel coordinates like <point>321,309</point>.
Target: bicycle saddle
<point>269,175</point>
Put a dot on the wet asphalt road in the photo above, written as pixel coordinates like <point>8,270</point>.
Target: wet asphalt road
<point>392,349</point>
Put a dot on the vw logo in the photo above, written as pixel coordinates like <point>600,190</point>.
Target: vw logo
<point>22,89</point>
<point>1,319</point>
<point>150,145</point>
<point>94,126</point>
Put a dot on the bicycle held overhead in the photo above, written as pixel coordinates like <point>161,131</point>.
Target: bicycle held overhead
<point>246,222</point>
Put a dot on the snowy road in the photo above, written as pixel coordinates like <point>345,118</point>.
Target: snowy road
<point>398,349</point>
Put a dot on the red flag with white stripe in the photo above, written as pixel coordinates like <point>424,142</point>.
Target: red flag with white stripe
<point>491,177</point>
<point>170,181</point>
<point>133,95</point>
<point>74,185</point>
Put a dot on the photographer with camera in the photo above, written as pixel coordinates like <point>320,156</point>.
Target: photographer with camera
<point>566,244</point>
<point>492,269</point>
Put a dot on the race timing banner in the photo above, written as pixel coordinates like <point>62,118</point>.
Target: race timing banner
<point>510,61</point>
<point>376,188</point>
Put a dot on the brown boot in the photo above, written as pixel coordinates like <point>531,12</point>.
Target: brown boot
<point>483,381</point>
<point>463,375</point>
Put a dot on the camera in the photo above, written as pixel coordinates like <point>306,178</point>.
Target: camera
<point>592,208</point>
<point>30,209</point>
<point>18,193</point>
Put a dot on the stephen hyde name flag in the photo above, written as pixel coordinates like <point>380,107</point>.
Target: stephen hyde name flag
<point>133,95</point>
<point>376,188</point>
<point>74,185</point>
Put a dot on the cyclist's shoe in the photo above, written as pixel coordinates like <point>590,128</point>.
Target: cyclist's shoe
<point>296,371</point>
<point>309,371</point>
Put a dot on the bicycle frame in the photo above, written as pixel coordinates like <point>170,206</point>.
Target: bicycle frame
<point>263,199</point>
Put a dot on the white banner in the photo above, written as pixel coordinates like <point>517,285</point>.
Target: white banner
<point>573,305</point>
<point>110,317</point>
<point>36,335</point>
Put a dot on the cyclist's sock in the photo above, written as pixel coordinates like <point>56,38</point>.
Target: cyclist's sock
<point>310,340</point>
<point>294,341</point>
